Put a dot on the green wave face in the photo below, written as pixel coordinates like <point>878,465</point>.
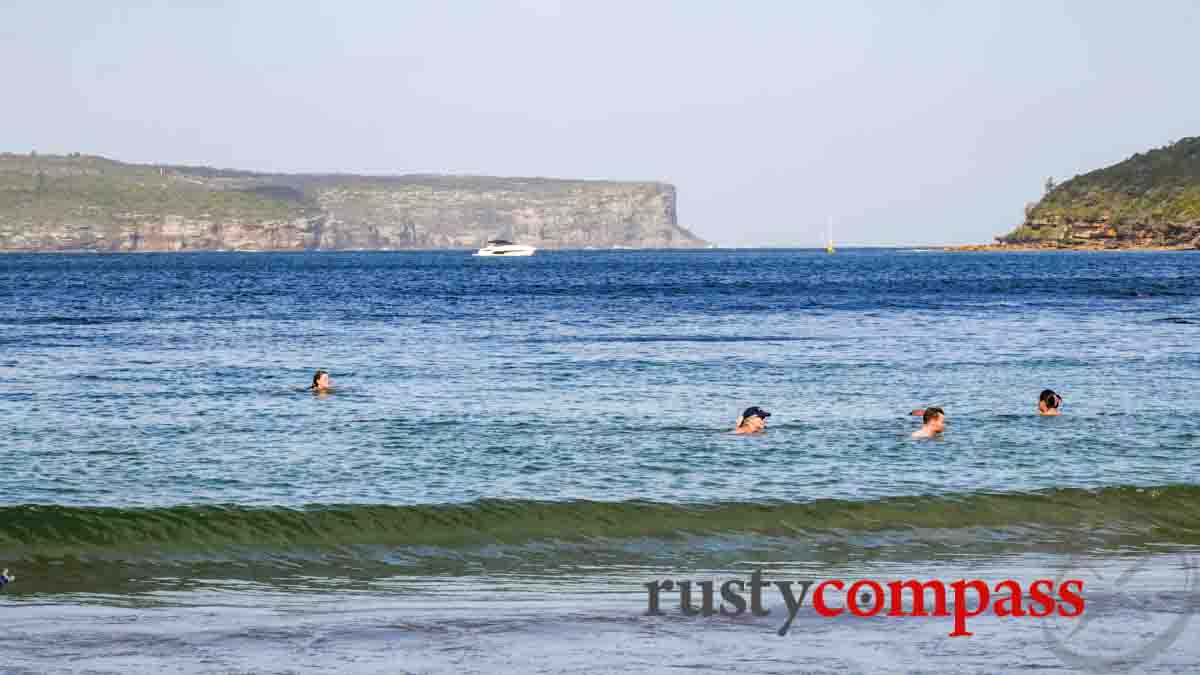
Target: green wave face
<point>38,536</point>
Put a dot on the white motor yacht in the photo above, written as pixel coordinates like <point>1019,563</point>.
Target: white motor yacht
<point>506,248</point>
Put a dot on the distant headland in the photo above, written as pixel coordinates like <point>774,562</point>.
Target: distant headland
<point>86,203</point>
<point>1149,201</point>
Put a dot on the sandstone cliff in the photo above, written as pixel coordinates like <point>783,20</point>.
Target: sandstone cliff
<point>1151,200</point>
<point>83,203</point>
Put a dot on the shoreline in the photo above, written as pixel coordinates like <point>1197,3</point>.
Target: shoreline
<point>1032,248</point>
<point>933,248</point>
<point>321,250</point>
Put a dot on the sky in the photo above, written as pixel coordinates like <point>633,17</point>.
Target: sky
<point>917,122</point>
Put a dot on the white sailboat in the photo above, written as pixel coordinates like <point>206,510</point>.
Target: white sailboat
<point>829,246</point>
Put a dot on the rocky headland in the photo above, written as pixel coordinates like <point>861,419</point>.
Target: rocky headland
<point>86,203</point>
<point>1149,201</point>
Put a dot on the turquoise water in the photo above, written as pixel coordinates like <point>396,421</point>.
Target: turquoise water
<point>563,418</point>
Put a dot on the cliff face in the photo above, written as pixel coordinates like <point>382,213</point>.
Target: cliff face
<point>1151,200</point>
<point>81,203</point>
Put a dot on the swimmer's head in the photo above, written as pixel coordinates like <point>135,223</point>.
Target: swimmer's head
<point>934,418</point>
<point>320,380</point>
<point>1049,400</point>
<point>753,418</point>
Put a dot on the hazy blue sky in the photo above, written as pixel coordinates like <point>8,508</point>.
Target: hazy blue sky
<point>916,122</point>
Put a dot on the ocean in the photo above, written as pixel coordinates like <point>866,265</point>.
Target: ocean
<point>515,448</point>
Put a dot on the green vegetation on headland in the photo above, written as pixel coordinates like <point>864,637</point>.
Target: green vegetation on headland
<point>49,188</point>
<point>1151,200</point>
<point>87,203</point>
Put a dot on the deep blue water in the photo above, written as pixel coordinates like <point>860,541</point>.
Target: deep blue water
<point>515,446</point>
<point>165,379</point>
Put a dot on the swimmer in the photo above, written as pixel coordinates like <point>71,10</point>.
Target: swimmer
<point>752,421</point>
<point>933,423</point>
<point>1048,403</point>
<point>320,383</point>
<point>6,578</point>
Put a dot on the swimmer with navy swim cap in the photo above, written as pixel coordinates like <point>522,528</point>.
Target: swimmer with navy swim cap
<point>753,420</point>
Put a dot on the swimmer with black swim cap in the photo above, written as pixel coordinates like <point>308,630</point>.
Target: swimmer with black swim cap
<point>321,383</point>
<point>933,423</point>
<point>753,420</point>
<point>1048,403</point>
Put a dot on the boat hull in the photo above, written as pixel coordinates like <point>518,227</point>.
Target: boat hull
<point>513,251</point>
